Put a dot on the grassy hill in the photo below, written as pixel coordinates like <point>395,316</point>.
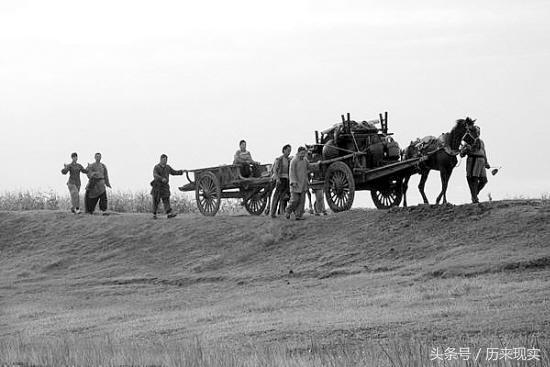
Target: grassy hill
<point>127,289</point>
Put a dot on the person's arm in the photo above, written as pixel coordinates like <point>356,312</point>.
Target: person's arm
<point>65,169</point>
<point>174,172</point>
<point>250,160</point>
<point>487,165</point>
<point>91,172</point>
<point>292,176</point>
<point>465,150</point>
<point>107,183</point>
<point>275,169</point>
<point>237,158</point>
<point>82,169</point>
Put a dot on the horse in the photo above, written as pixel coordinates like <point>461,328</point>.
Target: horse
<point>440,155</point>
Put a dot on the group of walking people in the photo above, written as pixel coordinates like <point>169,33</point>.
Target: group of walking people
<point>98,180</point>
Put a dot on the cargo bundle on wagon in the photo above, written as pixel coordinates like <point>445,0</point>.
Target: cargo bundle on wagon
<point>360,156</point>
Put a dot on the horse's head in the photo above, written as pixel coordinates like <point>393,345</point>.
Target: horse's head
<point>314,152</point>
<point>460,131</point>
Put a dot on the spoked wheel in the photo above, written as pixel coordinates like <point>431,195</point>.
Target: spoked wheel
<point>256,204</point>
<point>339,187</point>
<point>208,194</point>
<point>387,197</point>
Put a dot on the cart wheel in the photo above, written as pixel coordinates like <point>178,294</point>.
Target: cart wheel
<point>339,187</point>
<point>388,197</point>
<point>257,203</point>
<point>208,194</point>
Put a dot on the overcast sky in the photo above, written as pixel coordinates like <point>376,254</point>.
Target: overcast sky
<point>134,79</point>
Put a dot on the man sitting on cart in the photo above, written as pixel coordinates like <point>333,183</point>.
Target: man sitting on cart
<point>249,167</point>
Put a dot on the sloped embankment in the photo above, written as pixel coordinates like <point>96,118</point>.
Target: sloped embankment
<point>233,275</point>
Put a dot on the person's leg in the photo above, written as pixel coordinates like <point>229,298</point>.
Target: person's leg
<point>73,191</point>
<point>470,180</point>
<point>92,202</point>
<point>300,209</point>
<point>86,202</point>
<point>283,204</point>
<point>103,202</point>
<point>292,204</point>
<point>245,170</point>
<point>255,170</point>
<point>276,199</point>
<point>318,202</point>
<point>474,189</point>
<point>166,204</point>
<point>322,202</point>
<point>285,195</point>
<point>156,201</point>
<point>167,208</point>
<point>308,194</point>
<point>77,199</point>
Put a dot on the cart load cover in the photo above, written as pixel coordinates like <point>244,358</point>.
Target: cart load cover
<point>363,126</point>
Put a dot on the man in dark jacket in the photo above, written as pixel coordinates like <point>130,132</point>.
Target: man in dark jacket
<point>98,180</point>
<point>280,175</point>
<point>299,183</point>
<point>161,188</point>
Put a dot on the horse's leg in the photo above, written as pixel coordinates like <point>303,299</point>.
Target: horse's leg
<point>445,176</point>
<point>405,186</point>
<point>422,184</point>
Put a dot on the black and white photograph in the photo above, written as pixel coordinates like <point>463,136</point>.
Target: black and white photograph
<point>286,183</point>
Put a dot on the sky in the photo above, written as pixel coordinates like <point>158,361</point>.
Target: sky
<point>135,79</point>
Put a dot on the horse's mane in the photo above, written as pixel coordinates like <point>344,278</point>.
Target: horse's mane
<point>457,132</point>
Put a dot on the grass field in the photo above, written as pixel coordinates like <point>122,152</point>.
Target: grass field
<point>361,288</point>
<point>119,202</point>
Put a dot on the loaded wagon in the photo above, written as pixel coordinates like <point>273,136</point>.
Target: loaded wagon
<point>226,182</point>
<point>356,156</point>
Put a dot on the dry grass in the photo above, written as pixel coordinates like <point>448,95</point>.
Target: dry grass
<point>119,201</point>
<point>398,352</point>
<point>364,287</point>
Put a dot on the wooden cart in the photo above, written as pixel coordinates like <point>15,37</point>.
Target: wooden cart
<point>226,182</point>
<point>367,159</point>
